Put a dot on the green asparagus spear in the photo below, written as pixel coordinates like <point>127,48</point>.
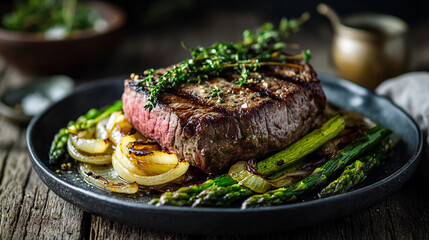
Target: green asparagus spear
<point>351,175</point>
<point>319,175</point>
<point>215,196</point>
<point>92,117</point>
<point>302,147</point>
<point>185,196</point>
<point>357,172</point>
<point>58,146</point>
<point>224,196</point>
<point>307,144</point>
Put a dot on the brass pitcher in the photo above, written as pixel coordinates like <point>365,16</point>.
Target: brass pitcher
<point>368,48</point>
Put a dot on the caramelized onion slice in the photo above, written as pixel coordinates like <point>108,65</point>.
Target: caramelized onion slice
<point>86,157</point>
<point>146,152</point>
<point>166,177</point>
<point>90,145</point>
<point>289,178</point>
<point>143,167</point>
<point>100,129</point>
<point>87,133</point>
<point>105,177</point>
<point>255,182</point>
<point>144,159</point>
<point>117,127</point>
<point>128,163</point>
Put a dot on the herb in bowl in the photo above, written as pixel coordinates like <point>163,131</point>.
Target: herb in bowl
<point>56,19</point>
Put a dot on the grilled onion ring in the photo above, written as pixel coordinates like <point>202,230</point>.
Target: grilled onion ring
<point>255,182</point>
<point>117,127</point>
<point>148,152</point>
<point>140,165</point>
<point>131,176</point>
<point>106,178</point>
<point>81,156</point>
<point>90,145</point>
<point>100,129</point>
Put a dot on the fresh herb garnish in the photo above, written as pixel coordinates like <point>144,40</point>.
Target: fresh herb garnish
<point>216,92</point>
<point>258,48</point>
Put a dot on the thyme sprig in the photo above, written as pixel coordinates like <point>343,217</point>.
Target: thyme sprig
<point>258,48</point>
<point>216,92</point>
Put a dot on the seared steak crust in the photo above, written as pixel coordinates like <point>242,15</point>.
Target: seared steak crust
<point>277,107</point>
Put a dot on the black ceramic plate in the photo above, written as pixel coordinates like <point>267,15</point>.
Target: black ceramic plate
<point>384,181</point>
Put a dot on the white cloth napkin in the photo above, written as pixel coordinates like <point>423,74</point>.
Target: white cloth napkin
<point>411,92</point>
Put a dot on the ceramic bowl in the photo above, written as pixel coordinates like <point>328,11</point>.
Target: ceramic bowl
<point>32,54</point>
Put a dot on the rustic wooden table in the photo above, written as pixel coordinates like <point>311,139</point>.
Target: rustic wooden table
<point>29,209</point>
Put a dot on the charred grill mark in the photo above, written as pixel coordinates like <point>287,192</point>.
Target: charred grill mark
<point>136,85</point>
<point>132,83</point>
<point>132,131</point>
<point>181,97</point>
<point>262,92</point>
<point>190,97</point>
<point>138,153</point>
<point>255,87</point>
<point>140,144</point>
<point>199,101</point>
<point>103,179</point>
<point>140,148</point>
<point>312,86</point>
<point>193,98</point>
<point>291,79</point>
<point>142,153</point>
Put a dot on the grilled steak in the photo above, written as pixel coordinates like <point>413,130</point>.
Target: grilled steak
<point>275,108</point>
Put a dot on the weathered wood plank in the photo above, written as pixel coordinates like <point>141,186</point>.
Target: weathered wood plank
<point>35,195</point>
<point>60,219</point>
<point>102,228</point>
<point>45,215</point>
<point>16,173</point>
<point>28,208</point>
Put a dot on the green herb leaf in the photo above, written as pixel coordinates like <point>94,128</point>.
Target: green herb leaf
<point>307,55</point>
<point>216,92</point>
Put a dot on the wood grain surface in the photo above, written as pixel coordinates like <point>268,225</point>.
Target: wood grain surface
<point>29,210</point>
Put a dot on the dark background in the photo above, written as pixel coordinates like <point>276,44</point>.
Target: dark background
<point>161,25</point>
<point>143,13</point>
<point>155,28</point>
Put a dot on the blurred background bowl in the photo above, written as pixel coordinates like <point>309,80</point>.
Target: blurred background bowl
<point>32,54</point>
